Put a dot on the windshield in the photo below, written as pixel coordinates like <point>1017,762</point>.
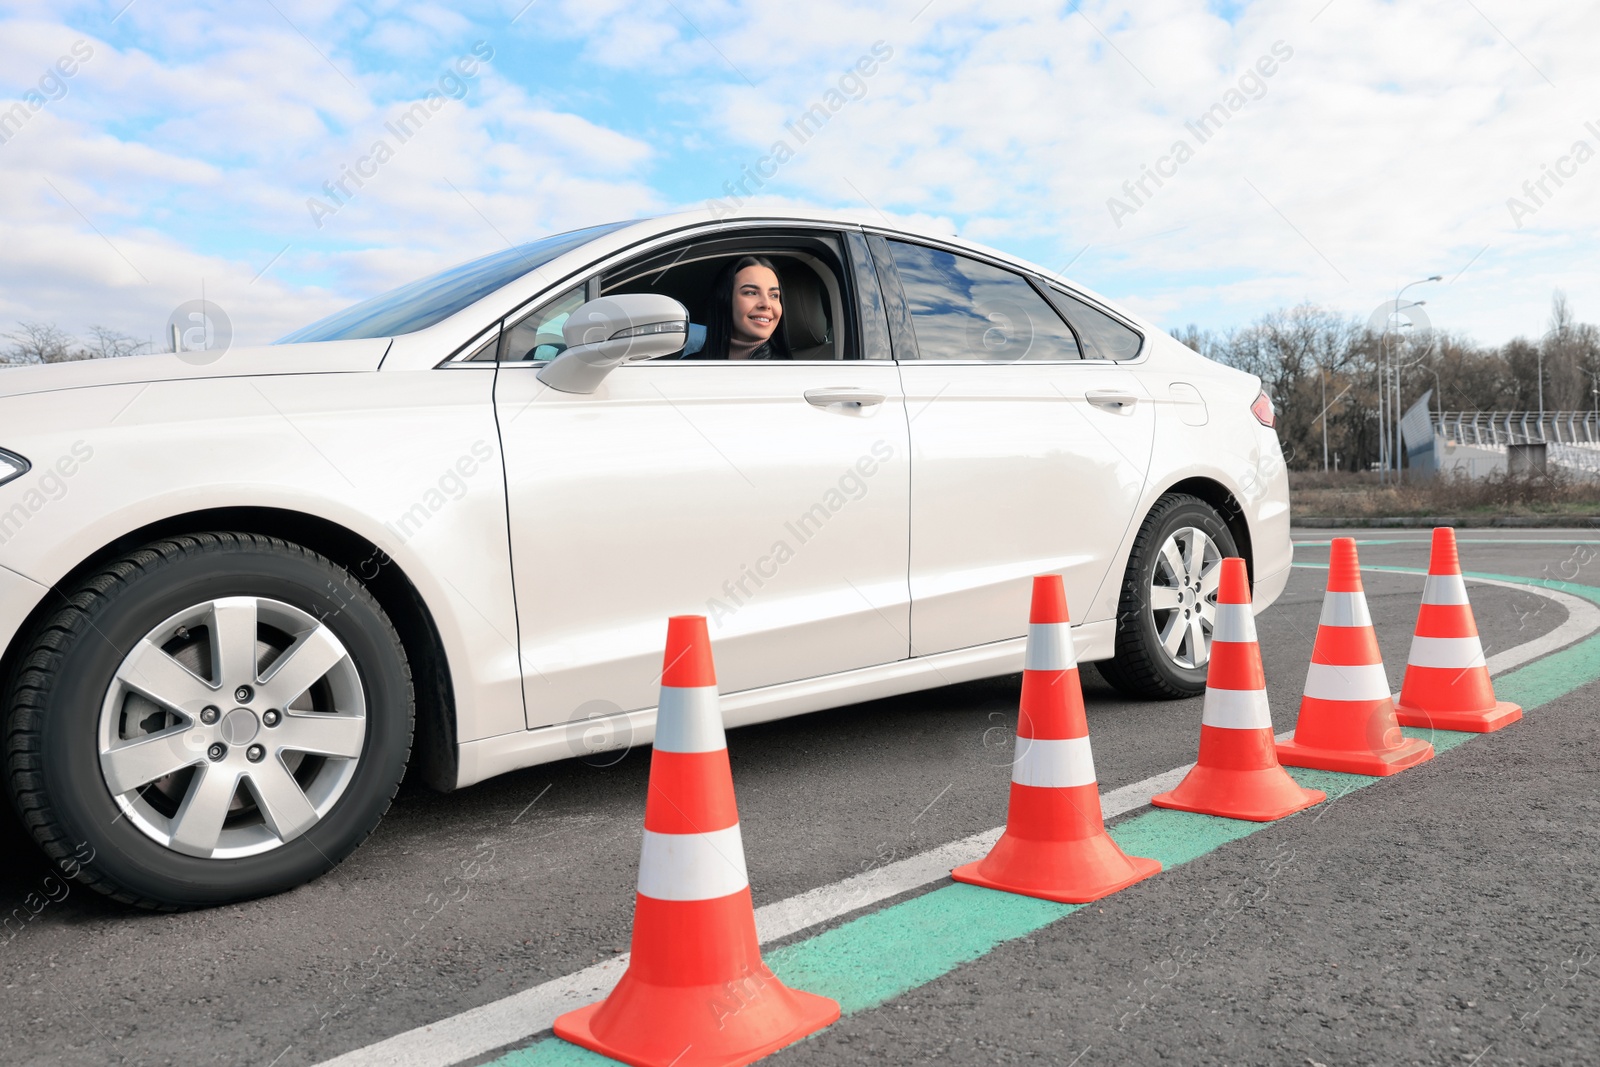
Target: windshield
<point>421,304</point>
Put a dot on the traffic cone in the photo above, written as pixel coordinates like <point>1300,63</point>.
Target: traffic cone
<point>1055,845</point>
<point>1347,719</point>
<point>1447,685</point>
<point>696,993</point>
<point>1237,774</point>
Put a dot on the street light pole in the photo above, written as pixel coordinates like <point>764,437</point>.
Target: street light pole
<point>1324,377</point>
<point>1383,405</point>
<point>1541,390</point>
<point>1395,392</point>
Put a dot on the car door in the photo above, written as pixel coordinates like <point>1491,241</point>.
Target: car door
<point>1026,457</point>
<point>771,497</point>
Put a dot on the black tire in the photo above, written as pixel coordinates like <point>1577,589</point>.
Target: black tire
<point>1142,666</point>
<point>54,717</point>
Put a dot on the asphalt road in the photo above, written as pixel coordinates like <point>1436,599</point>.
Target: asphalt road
<point>1447,914</point>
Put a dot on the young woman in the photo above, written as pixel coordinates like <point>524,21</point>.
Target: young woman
<point>745,319</point>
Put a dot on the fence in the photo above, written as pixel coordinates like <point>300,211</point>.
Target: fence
<point>1497,429</point>
<point>1571,438</point>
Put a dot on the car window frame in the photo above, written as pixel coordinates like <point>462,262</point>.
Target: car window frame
<point>592,275</point>
<point>872,301</point>
<point>754,234</point>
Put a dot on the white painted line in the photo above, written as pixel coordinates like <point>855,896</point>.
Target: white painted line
<point>1583,619</point>
<point>522,1015</point>
<point>501,1022</point>
<point>831,901</point>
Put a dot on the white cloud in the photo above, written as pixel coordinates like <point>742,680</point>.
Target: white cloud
<point>1384,150</point>
<point>199,170</point>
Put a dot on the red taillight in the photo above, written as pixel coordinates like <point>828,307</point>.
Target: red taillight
<point>1263,411</point>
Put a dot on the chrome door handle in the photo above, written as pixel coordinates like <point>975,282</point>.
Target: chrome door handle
<point>859,397</point>
<point>1111,398</point>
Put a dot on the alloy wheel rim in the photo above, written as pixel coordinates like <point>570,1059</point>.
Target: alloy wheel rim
<point>232,728</point>
<point>1183,596</point>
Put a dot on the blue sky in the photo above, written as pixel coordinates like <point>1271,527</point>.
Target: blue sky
<point>1383,146</point>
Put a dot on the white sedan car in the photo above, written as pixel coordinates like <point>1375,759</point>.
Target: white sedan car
<point>241,593</point>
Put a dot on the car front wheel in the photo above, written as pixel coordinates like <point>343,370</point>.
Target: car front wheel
<point>1168,602</point>
<point>210,718</point>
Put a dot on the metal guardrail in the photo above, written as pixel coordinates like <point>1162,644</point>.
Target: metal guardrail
<point>1585,458</point>
<point>1571,438</point>
<point>1497,429</point>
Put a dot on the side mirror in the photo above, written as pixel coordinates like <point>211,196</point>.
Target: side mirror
<point>611,331</point>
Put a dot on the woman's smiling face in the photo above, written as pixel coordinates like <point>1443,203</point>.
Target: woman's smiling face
<point>757,304</point>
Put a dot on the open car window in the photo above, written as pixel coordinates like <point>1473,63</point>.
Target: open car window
<point>817,296</point>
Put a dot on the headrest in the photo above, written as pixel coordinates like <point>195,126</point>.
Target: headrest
<point>803,296</point>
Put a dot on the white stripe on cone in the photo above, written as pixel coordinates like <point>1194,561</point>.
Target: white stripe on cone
<point>1462,652</point>
<point>1347,681</point>
<point>1345,609</point>
<point>1053,763</point>
<point>689,720</point>
<point>1049,647</point>
<point>692,866</point>
<point>1444,589</point>
<point>1234,622</point>
<point>1237,709</point>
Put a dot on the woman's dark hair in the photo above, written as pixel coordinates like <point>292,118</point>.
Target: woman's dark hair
<point>719,313</point>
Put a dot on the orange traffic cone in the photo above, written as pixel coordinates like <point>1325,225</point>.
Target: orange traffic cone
<point>1055,845</point>
<point>1237,774</point>
<point>696,993</point>
<point>1447,683</point>
<point>1347,720</point>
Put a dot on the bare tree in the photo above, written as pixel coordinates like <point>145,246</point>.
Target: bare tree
<point>1305,357</point>
<point>43,342</point>
<point>107,343</point>
<point>1566,357</point>
<point>40,342</point>
<point>1202,341</point>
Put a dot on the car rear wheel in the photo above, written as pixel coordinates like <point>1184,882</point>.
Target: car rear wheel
<point>211,718</point>
<point>1168,602</point>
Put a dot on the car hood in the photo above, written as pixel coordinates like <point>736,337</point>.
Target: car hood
<point>328,357</point>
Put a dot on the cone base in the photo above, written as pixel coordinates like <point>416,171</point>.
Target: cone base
<point>1261,795</point>
<point>1378,764</point>
<point>1067,872</point>
<point>1487,721</point>
<point>659,1031</point>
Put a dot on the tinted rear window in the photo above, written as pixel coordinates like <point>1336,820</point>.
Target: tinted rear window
<point>964,308</point>
<point>423,303</point>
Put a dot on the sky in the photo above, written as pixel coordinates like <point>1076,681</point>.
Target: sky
<point>1198,162</point>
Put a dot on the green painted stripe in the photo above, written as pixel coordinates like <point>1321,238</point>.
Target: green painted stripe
<point>550,1052</point>
<point>883,954</point>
